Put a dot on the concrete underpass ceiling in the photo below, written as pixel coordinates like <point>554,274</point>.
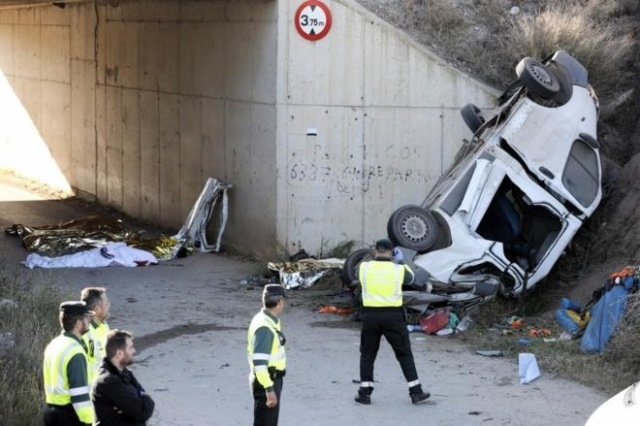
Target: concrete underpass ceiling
<point>26,3</point>
<point>6,4</point>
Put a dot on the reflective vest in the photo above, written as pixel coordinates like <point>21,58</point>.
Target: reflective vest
<point>260,363</point>
<point>57,387</point>
<point>381,283</point>
<point>96,341</point>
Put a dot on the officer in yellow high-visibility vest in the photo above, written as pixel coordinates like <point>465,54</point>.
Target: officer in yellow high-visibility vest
<point>65,370</point>
<point>96,338</point>
<point>382,315</point>
<point>267,358</point>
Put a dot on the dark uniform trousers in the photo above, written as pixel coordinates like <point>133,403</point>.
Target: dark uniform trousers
<point>263,415</point>
<point>61,415</point>
<point>390,323</point>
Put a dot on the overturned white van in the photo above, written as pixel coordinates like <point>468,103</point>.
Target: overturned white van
<point>516,194</point>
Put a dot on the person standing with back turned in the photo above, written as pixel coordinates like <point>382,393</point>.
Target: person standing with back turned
<point>267,358</point>
<point>382,315</point>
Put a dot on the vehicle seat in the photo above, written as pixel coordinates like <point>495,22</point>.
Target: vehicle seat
<point>501,222</point>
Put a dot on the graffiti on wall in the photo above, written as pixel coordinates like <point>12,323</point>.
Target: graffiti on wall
<point>340,175</point>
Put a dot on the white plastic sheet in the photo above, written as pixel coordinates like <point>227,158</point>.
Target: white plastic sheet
<point>112,254</point>
<point>528,369</point>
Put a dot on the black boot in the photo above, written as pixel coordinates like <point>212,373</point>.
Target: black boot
<point>418,396</point>
<point>364,396</point>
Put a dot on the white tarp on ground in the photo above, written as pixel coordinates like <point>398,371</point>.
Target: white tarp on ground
<point>112,254</point>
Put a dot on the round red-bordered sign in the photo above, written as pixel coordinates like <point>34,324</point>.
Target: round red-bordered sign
<point>313,20</point>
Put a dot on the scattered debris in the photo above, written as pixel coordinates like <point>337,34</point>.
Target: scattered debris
<point>523,341</point>
<point>332,309</point>
<point>539,332</point>
<point>305,272</point>
<point>528,369</point>
<point>80,235</point>
<point>597,321</point>
<point>492,353</point>
<point>436,321</point>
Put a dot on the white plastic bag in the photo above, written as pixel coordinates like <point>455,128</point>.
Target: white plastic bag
<point>528,368</point>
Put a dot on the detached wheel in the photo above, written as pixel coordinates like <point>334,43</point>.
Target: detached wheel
<point>350,267</point>
<point>538,78</point>
<point>472,116</point>
<point>413,227</point>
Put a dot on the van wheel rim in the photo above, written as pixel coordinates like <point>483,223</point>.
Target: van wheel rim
<point>414,228</point>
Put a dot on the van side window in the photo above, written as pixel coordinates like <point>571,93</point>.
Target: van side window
<point>581,175</point>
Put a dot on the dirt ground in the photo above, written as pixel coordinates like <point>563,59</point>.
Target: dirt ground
<point>190,317</point>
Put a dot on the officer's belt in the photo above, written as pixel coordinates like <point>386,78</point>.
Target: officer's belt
<point>66,407</point>
<point>274,374</point>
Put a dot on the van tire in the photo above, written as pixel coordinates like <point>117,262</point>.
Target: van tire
<point>413,227</point>
<point>350,267</point>
<point>538,78</point>
<point>472,117</point>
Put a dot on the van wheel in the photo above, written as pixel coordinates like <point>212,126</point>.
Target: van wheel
<point>350,267</point>
<point>538,78</point>
<point>472,117</point>
<point>413,227</point>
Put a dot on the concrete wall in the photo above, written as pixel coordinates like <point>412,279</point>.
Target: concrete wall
<point>36,56</point>
<point>388,123</point>
<point>186,90</point>
<point>138,102</point>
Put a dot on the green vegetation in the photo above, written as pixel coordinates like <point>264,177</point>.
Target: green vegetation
<point>29,312</point>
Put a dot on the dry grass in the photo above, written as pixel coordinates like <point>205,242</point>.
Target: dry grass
<point>624,349</point>
<point>29,311</point>
<point>573,27</point>
<point>484,39</point>
<point>440,18</point>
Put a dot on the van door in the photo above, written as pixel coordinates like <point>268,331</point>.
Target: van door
<point>548,141</point>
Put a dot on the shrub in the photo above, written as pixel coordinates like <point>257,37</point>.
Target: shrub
<point>29,311</point>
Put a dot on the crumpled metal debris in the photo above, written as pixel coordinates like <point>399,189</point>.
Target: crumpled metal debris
<point>193,234</point>
<point>304,273</point>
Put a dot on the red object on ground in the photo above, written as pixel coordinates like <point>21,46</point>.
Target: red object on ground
<point>331,309</point>
<point>435,322</point>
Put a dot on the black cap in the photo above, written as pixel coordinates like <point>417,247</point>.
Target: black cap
<point>75,308</point>
<point>384,245</point>
<point>274,290</point>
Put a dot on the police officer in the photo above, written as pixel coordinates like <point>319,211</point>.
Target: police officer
<point>267,358</point>
<point>96,338</point>
<point>65,370</point>
<point>382,315</point>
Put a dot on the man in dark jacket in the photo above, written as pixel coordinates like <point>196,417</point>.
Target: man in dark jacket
<point>118,398</point>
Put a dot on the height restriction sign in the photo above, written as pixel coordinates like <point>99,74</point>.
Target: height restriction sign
<point>313,20</point>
